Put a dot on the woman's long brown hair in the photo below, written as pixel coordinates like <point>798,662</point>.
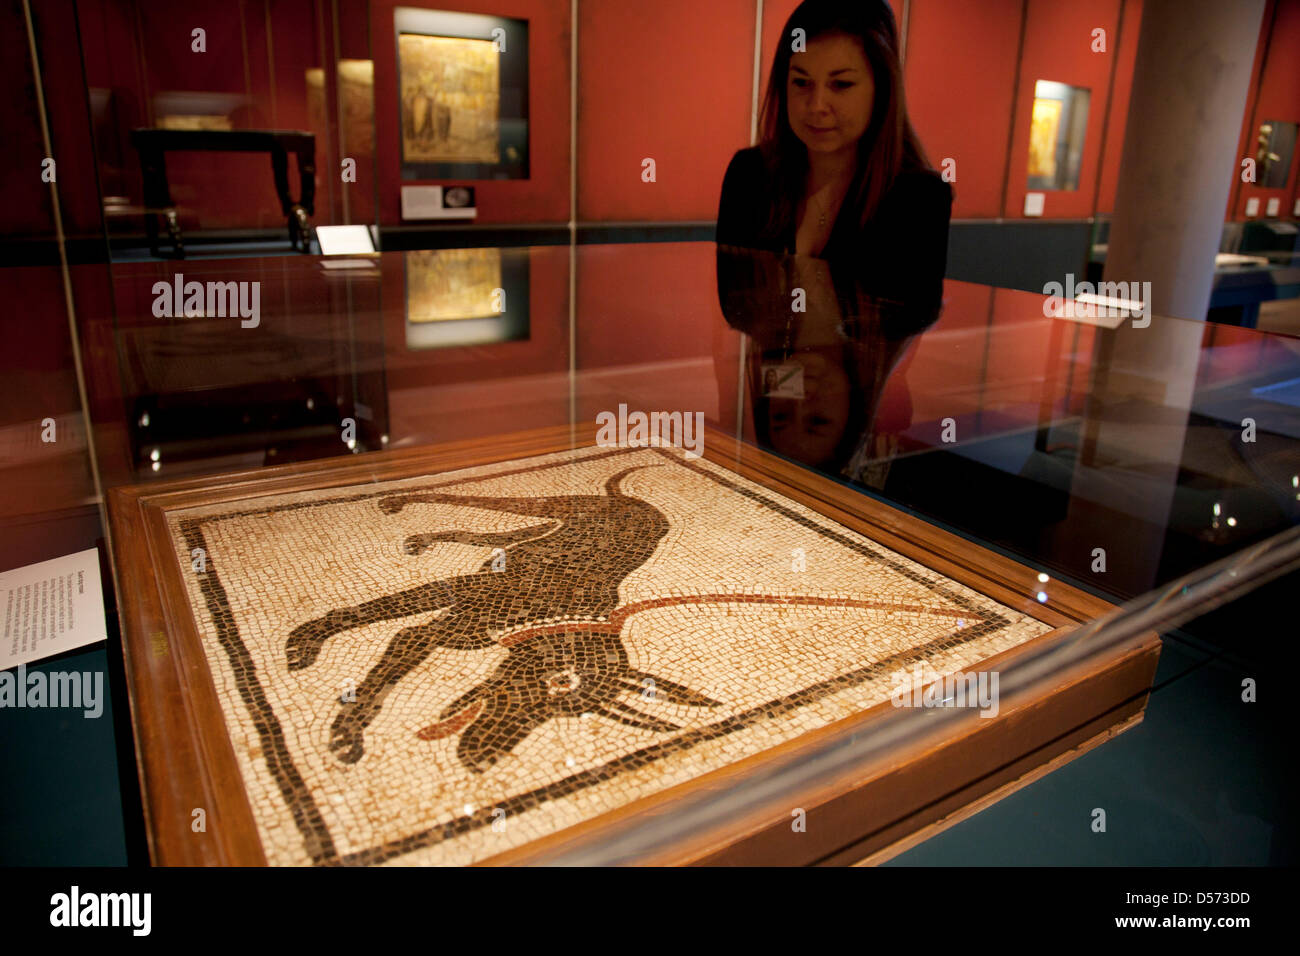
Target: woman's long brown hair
<point>889,144</point>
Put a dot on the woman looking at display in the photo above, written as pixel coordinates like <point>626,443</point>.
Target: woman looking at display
<point>839,173</point>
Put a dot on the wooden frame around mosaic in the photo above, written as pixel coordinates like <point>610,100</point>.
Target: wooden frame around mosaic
<point>867,815</point>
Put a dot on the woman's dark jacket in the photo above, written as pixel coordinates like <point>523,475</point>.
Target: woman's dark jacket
<point>900,255</point>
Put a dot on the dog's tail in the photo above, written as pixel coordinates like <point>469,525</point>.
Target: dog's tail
<point>612,485</point>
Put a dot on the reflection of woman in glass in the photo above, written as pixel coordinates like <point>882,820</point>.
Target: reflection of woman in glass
<point>839,173</point>
<point>814,427</point>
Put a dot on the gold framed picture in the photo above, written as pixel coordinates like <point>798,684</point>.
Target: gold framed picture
<point>462,89</point>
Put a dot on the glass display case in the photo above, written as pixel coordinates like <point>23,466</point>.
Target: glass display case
<point>665,571</point>
<point>539,528</point>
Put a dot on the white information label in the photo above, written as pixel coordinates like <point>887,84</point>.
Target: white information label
<point>49,608</point>
<point>344,240</point>
<point>427,202</point>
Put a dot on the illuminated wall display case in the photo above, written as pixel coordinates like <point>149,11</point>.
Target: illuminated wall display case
<point>1056,140</point>
<point>463,95</point>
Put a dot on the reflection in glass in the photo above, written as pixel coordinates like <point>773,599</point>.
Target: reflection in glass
<point>446,284</point>
<point>215,204</point>
<point>198,110</point>
<point>822,357</point>
<point>457,297</point>
<point>357,100</point>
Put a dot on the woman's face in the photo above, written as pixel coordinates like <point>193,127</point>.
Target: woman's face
<point>830,91</point>
<point>809,429</point>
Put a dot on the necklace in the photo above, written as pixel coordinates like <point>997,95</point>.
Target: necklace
<point>821,209</point>
<point>821,213</point>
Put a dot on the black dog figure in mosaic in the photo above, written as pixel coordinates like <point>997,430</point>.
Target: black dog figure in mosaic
<point>577,670</point>
<point>569,566</point>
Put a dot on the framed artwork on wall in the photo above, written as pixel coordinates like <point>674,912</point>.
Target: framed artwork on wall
<point>1276,143</point>
<point>462,89</point>
<point>1058,125</point>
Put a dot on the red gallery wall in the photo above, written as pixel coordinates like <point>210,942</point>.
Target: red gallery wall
<point>669,81</point>
<point>28,210</point>
<point>646,87</point>
<point>1274,95</point>
<point>1057,46</point>
<point>959,71</point>
<point>1124,49</point>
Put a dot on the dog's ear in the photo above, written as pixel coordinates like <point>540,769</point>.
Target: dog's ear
<point>634,718</point>
<point>672,691</point>
<point>464,700</point>
<point>452,725</point>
